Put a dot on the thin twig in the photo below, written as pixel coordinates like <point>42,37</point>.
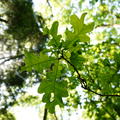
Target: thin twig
<point>49,4</point>
<point>109,95</point>
<point>11,58</point>
<point>2,20</point>
<point>55,116</point>
<point>83,81</point>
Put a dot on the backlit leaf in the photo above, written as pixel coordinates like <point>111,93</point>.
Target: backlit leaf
<point>53,86</point>
<point>54,28</point>
<point>88,28</point>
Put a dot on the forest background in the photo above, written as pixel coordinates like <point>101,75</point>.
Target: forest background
<point>78,61</point>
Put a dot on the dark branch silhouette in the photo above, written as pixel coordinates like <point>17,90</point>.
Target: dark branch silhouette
<point>55,116</point>
<point>83,81</point>
<point>2,20</point>
<point>10,58</point>
<point>45,114</point>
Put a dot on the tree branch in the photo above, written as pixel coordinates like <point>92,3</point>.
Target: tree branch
<point>49,4</point>
<point>2,20</point>
<point>107,25</point>
<point>108,95</point>
<point>11,58</point>
<point>55,116</point>
<point>83,81</point>
<point>45,114</point>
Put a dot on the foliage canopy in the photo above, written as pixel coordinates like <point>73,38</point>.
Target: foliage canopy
<point>55,63</point>
<point>72,70</point>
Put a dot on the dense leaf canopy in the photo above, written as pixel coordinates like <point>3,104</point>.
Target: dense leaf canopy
<point>78,67</point>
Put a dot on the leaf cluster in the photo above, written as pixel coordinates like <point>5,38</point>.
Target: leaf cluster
<point>57,59</point>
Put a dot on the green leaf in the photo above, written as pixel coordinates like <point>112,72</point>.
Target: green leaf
<point>117,59</point>
<point>52,85</point>
<point>77,23</point>
<point>69,35</point>
<point>70,39</point>
<point>51,106</point>
<point>55,41</point>
<point>36,62</point>
<point>82,21</point>
<point>79,28</point>
<point>45,31</point>
<point>54,28</point>
<point>46,98</point>
<point>77,60</point>
<point>84,38</point>
<point>88,28</point>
